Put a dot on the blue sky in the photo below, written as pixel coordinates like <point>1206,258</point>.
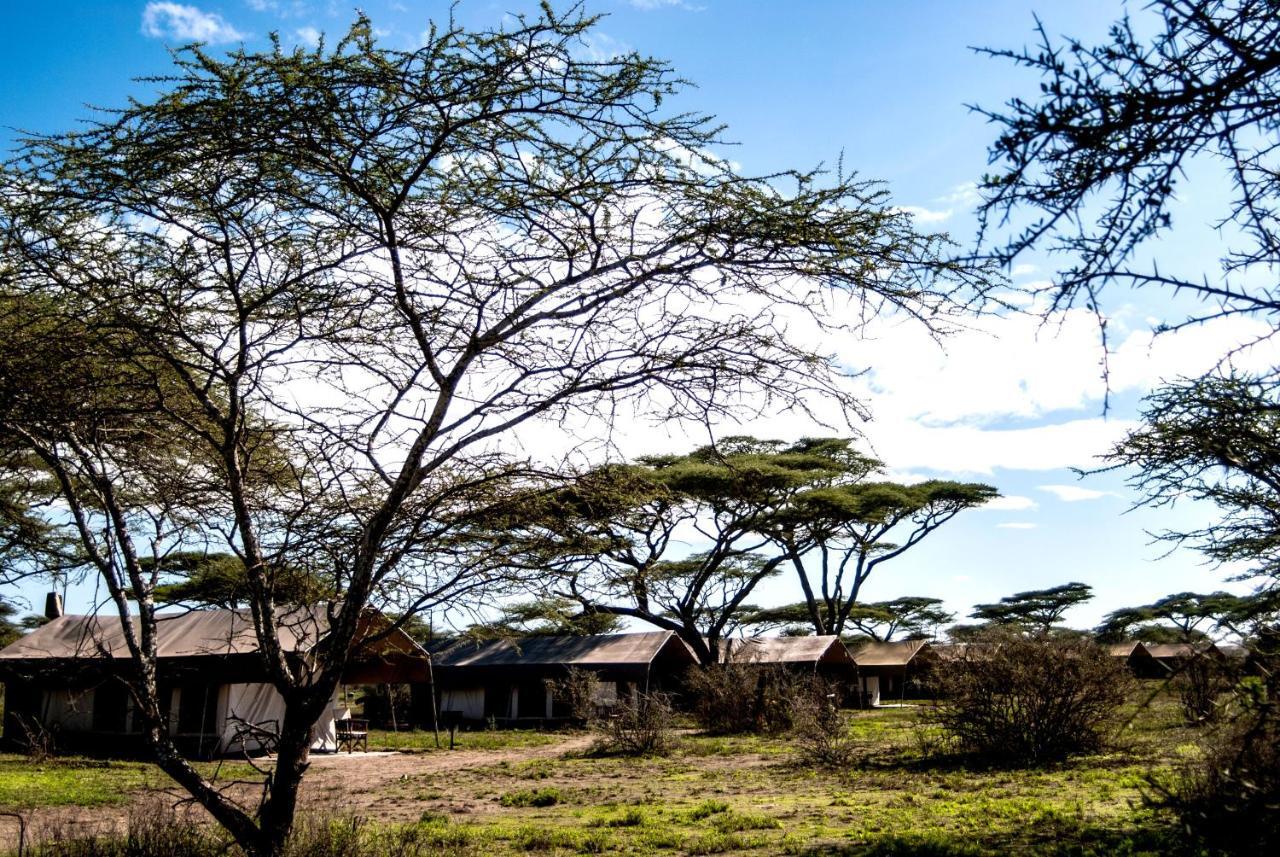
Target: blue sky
<point>885,85</point>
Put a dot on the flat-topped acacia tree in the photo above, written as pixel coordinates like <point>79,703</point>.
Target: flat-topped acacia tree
<point>288,306</point>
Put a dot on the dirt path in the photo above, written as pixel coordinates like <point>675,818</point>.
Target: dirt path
<point>346,784</point>
<point>364,784</point>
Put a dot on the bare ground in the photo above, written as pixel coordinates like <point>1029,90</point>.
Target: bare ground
<point>366,784</point>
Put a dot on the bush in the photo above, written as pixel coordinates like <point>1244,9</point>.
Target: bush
<point>642,726</point>
<point>577,693</point>
<point>818,730</point>
<point>1200,682</point>
<point>738,698</point>
<point>532,797</point>
<point>1230,798</point>
<point>1028,700</point>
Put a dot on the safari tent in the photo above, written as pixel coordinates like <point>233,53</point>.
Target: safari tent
<point>823,655</point>
<point>65,678</point>
<point>894,670</point>
<point>512,680</point>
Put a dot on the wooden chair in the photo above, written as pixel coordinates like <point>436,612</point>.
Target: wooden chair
<point>352,734</point>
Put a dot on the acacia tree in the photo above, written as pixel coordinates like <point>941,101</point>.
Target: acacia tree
<point>620,537</point>
<point>1187,614</point>
<point>916,616</point>
<point>288,306</point>
<point>1036,609</point>
<point>836,535</point>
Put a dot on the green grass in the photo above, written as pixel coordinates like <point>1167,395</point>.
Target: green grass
<point>80,781</point>
<point>746,795</point>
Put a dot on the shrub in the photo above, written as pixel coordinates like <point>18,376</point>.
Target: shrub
<point>1028,700</point>
<point>1200,682</point>
<point>818,730</point>
<point>642,726</point>
<point>577,693</point>
<point>737,698</point>
<point>532,797</point>
<point>1229,799</point>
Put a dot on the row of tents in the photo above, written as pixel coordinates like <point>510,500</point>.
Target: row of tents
<point>64,678</point>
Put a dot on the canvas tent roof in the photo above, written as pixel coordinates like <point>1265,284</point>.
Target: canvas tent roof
<point>892,654</point>
<point>599,650</point>
<point>787,650</point>
<point>194,633</point>
<point>1180,650</point>
<point>1127,649</point>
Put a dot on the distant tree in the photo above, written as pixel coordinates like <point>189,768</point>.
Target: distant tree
<point>914,616</point>
<point>1036,609</point>
<point>548,617</point>
<point>9,630</point>
<point>221,580</point>
<point>836,535</point>
<point>1188,615</point>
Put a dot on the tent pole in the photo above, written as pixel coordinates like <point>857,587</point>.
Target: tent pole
<point>391,705</point>
<point>435,712</point>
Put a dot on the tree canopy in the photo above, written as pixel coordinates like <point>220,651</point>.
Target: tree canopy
<point>1036,609</point>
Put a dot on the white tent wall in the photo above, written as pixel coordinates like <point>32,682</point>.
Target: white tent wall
<point>260,705</point>
<point>470,701</point>
<point>69,710</point>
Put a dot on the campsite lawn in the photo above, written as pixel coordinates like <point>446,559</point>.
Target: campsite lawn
<point>522,793</point>
<point>81,781</point>
<point>746,795</point>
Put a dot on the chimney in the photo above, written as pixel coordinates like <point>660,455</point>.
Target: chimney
<point>52,605</point>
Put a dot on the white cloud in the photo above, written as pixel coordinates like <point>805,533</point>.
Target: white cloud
<point>926,215</point>
<point>1075,493</point>
<point>307,36</point>
<point>965,195</point>
<point>961,449</point>
<point>186,23</point>
<point>1010,504</point>
<point>1017,525</point>
<point>601,47</point>
<point>1023,270</point>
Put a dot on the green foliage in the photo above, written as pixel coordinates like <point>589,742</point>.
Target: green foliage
<point>1018,699</point>
<point>1036,609</point>
<point>552,616</point>
<point>1228,797</point>
<point>762,504</point>
<point>1186,614</point>
<point>916,616</point>
<point>532,797</point>
<point>221,580</point>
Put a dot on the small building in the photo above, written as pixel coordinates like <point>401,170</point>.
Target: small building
<point>1173,656</point>
<point>825,656</point>
<point>66,678</point>
<point>1137,657</point>
<point>507,681</point>
<point>894,670</point>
